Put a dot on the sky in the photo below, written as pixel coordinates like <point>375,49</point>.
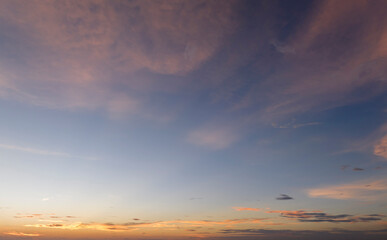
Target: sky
<point>177,119</point>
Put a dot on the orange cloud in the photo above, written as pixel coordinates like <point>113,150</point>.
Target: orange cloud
<point>35,215</point>
<point>20,234</point>
<point>361,190</point>
<point>246,209</point>
<point>157,225</point>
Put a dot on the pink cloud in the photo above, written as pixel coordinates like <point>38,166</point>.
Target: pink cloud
<point>380,148</point>
<point>86,50</point>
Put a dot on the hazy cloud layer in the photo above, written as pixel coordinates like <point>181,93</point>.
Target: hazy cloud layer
<point>366,190</point>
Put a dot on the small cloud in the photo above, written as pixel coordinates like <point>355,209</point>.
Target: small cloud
<point>136,219</point>
<point>282,48</point>
<point>284,197</point>
<point>358,169</point>
<point>45,199</point>
<point>246,209</point>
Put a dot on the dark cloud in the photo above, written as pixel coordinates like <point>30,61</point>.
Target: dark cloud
<point>358,169</point>
<point>284,197</point>
<point>318,216</point>
<point>337,234</point>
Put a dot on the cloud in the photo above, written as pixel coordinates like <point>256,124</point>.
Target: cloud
<point>280,47</point>
<point>273,234</point>
<point>21,234</point>
<point>366,190</point>
<point>326,70</point>
<point>42,152</point>
<point>284,197</point>
<point>246,209</point>
<point>131,226</point>
<point>213,137</point>
<point>81,55</point>
<point>34,150</point>
<point>293,125</point>
<point>318,216</point>
<point>380,149</point>
<point>35,215</point>
<point>358,169</point>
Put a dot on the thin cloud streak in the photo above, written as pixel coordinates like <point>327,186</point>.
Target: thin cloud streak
<point>246,209</point>
<point>34,150</point>
<point>42,152</point>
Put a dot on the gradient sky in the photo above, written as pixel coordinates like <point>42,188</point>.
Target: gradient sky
<point>193,119</point>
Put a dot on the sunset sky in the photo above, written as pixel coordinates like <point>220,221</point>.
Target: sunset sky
<point>191,119</point>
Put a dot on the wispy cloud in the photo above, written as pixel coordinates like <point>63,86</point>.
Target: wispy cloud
<point>293,124</point>
<point>85,59</point>
<point>34,150</point>
<point>246,209</point>
<point>361,190</point>
<point>213,137</point>
<point>380,149</point>
<point>42,152</point>
<point>313,81</point>
<point>35,215</point>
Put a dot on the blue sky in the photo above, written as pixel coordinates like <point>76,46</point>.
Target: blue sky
<point>193,119</point>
